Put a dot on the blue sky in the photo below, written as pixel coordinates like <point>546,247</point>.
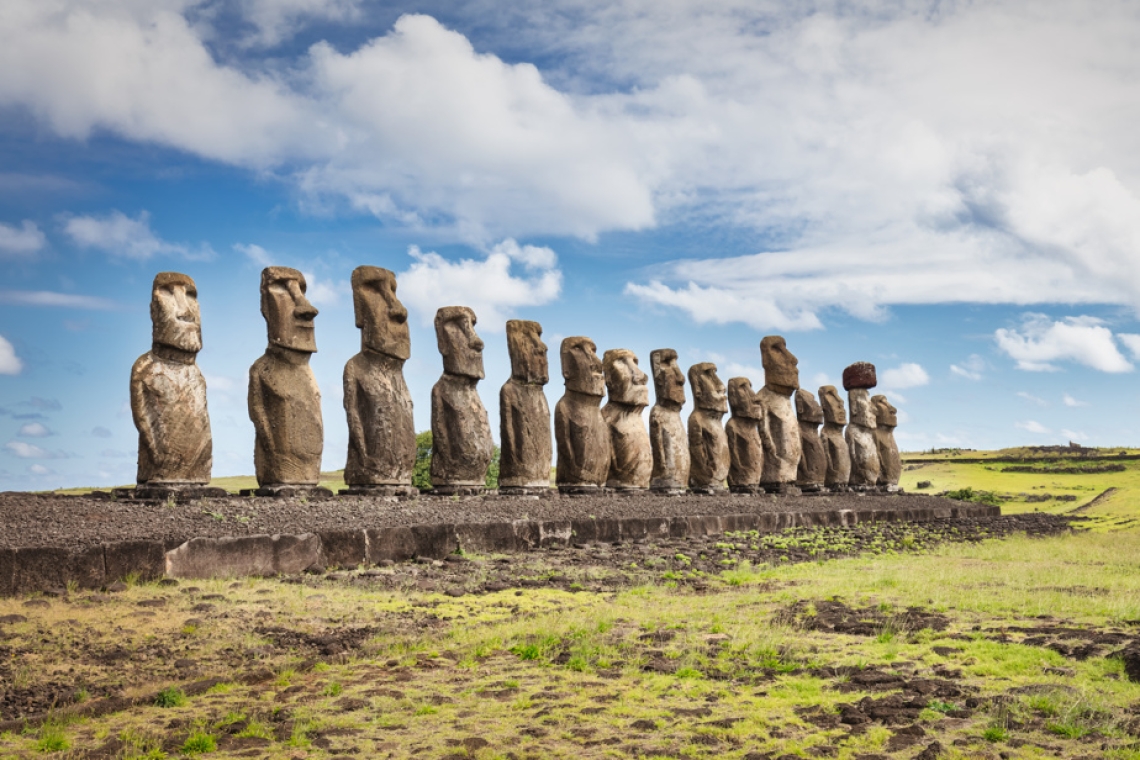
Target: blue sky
<point>949,190</point>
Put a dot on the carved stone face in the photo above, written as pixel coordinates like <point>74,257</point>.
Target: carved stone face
<point>383,320</point>
<point>668,379</point>
<point>581,367</point>
<point>781,374</point>
<point>461,348</point>
<point>885,414</point>
<point>862,410</point>
<point>288,314</point>
<point>625,382</point>
<point>832,404</point>
<point>807,410</point>
<point>175,319</point>
<point>741,399</point>
<point>708,390</point>
<point>528,352</point>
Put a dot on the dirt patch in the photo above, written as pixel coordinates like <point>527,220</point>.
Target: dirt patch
<point>834,616</point>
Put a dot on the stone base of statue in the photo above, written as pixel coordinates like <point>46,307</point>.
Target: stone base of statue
<point>668,491</point>
<point>782,489</point>
<point>617,490</point>
<point>861,490</point>
<point>750,489</point>
<point>708,490</point>
<point>288,491</point>
<point>458,490</point>
<point>408,492</point>
<point>891,488</point>
<point>166,492</point>
<point>539,491</point>
<point>811,487</point>
<point>583,489</point>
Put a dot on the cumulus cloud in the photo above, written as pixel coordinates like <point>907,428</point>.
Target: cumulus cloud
<point>119,235</point>
<point>1131,342</point>
<point>10,364</point>
<point>52,299</point>
<point>34,430</point>
<point>39,469</point>
<point>324,293</point>
<point>25,450</point>
<point>277,20</point>
<point>1041,341</point>
<point>487,286</point>
<point>21,242</point>
<point>1070,401</point>
<point>255,253</point>
<point>906,375</point>
<point>1032,426</point>
<point>971,369</point>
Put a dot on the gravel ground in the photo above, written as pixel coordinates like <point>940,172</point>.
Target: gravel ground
<point>33,520</point>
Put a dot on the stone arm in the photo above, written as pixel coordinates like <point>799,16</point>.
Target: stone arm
<point>507,442</point>
<point>569,438</point>
<point>441,413</point>
<point>138,411</point>
<point>356,437</point>
<point>658,445</point>
<point>257,414</point>
<point>708,442</point>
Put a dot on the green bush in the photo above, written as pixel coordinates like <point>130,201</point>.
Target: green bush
<point>969,494</point>
<point>421,473</point>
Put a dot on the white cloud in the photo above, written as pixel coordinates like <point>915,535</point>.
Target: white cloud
<point>10,364</point>
<point>1070,401</point>
<point>1042,341</point>
<point>277,20</point>
<point>27,450</point>
<point>1032,426</point>
<point>39,469</point>
<point>1032,399</point>
<point>120,235</point>
<point>49,298</point>
<point>1131,342</point>
<point>256,254</point>
<point>34,430</point>
<point>323,293</point>
<point>971,369</point>
<point>21,242</point>
<point>487,286</point>
<point>1074,435</point>
<point>906,375</point>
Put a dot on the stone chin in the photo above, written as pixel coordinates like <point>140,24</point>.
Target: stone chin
<point>298,339</point>
<point>184,336</point>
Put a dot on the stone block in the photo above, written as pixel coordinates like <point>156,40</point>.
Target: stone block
<point>487,538</point>
<point>45,568</point>
<point>391,544</point>
<point>295,554</point>
<point>633,529</point>
<point>146,559</point>
<point>592,530</point>
<point>434,541</point>
<point>527,534</point>
<point>222,557</point>
<point>7,568</point>
<point>859,375</point>
<point>344,548</point>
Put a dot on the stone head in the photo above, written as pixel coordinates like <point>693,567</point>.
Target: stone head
<point>528,352</point>
<point>708,390</point>
<point>781,373</point>
<point>832,404</point>
<point>668,379</point>
<point>461,348</point>
<point>381,317</point>
<point>885,414</point>
<point>175,319</point>
<point>625,382</point>
<point>288,314</point>
<point>862,410</point>
<point>807,409</point>
<point>741,399</point>
<point>581,367</point>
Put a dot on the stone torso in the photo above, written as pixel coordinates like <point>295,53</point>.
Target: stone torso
<point>381,428</point>
<point>865,463</point>
<point>837,454</point>
<point>285,407</point>
<point>462,446</point>
<point>890,464</point>
<point>746,451</point>
<point>583,440</point>
<point>631,457</point>
<point>168,400</point>
<point>708,450</point>
<point>670,449</point>
<point>525,431</point>
<point>780,433</point>
<point>812,469</point>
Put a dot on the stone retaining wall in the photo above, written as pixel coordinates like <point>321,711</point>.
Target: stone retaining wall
<point>24,571</point>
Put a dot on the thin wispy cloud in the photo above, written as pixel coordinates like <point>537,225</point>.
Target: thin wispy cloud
<point>121,236</point>
<point>22,242</point>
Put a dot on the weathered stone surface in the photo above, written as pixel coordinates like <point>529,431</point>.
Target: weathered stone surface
<point>890,463</point>
<point>462,446</point>
<point>813,460</point>
<point>708,443</point>
<point>39,569</point>
<point>284,400</point>
<point>580,431</point>
<point>860,435</point>
<point>627,387</point>
<point>745,449</point>
<point>144,559</point>
<point>344,548</point>
<point>168,392</point>
<point>779,429</point>
<point>834,444</point>
<point>243,555</point>
<point>377,403</point>
<point>669,442</point>
<point>859,375</point>
<point>524,415</point>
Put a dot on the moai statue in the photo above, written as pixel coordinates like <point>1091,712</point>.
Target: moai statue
<point>779,429</point>
<point>860,433</point>
<point>284,400</point>
<point>168,397</point>
<point>745,449</point>
<point>461,447</point>
<point>813,461</point>
<point>834,444</point>
<point>580,431</point>
<point>381,430</point>
<point>524,415</point>
<point>627,391</point>
<point>708,443</point>
<point>890,464</point>
<point>669,441</point>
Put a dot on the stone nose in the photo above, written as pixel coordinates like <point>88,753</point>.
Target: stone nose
<point>477,344</point>
<point>398,314</point>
